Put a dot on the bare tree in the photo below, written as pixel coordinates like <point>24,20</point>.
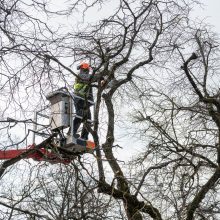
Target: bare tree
<point>56,193</point>
<point>139,50</point>
<point>181,157</point>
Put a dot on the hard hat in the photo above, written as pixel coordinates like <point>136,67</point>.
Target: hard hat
<point>84,66</point>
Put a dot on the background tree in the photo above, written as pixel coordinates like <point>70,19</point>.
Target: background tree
<point>56,192</point>
<point>182,122</point>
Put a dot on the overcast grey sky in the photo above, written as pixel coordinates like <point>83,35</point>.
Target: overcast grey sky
<point>211,13</point>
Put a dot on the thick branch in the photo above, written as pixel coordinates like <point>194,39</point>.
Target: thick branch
<point>204,99</point>
<point>130,199</point>
<point>107,147</point>
<point>200,196</point>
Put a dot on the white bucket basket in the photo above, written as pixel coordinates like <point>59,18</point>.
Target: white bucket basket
<point>60,109</point>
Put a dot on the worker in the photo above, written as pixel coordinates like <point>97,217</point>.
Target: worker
<point>83,89</point>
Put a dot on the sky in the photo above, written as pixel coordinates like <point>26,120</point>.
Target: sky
<point>210,13</point>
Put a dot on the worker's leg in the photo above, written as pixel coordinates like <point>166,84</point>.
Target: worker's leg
<point>87,116</point>
<point>79,104</point>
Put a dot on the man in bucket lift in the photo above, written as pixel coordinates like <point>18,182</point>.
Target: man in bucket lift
<point>83,89</point>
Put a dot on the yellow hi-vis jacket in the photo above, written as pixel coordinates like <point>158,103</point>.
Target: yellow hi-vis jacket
<point>81,89</point>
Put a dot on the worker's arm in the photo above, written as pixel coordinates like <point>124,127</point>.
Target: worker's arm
<point>93,78</point>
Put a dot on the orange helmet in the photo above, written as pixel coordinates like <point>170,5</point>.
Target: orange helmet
<point>84,66</point>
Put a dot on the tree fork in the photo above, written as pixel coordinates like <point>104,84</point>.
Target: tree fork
<point>131,201</point>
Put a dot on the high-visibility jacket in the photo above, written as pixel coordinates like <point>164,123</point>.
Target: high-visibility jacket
<point>81,86</point>
<point>81,89</point>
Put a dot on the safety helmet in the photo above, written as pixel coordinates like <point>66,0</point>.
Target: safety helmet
<point>84,66</point>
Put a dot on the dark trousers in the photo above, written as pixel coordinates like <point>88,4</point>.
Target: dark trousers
<point>82,109</point>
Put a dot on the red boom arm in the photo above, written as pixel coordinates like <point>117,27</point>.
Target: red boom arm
<point>40,155</point>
